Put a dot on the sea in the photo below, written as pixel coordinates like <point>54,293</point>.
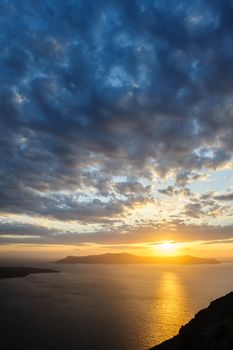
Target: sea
<point>106,307</point>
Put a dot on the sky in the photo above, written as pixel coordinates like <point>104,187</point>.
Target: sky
<point>116,122</point>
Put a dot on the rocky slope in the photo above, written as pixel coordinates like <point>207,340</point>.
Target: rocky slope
<point>210,329</point>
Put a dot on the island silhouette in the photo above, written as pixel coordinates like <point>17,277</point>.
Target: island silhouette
<point>16,271</point>
<point>126,258</point>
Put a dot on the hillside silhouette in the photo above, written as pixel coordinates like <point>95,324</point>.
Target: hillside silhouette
<point>126,258</point>
<point>210,329</point>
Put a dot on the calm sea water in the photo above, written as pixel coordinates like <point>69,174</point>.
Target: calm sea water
<point>114,307</point>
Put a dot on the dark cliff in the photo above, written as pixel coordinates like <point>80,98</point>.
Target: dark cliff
<point>210,329</point>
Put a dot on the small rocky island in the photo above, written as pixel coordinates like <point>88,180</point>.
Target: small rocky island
<point>12,272</point>
<point>210,329</point>
<point>125,258</point>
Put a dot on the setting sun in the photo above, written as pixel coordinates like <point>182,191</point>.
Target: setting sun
<point>166,248</point>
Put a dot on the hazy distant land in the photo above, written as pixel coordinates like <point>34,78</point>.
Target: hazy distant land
<point>125,258</point>
<point>11,271</point>
<point>210,329</point>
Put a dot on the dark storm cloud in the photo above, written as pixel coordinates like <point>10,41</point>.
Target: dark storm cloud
<point>92,90</point>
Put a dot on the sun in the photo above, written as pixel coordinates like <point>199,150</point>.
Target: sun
<point>166,248</point>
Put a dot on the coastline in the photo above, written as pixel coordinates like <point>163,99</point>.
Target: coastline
<point>17,271</point>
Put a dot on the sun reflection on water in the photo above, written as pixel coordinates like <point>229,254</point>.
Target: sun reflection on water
<point>171,310</point>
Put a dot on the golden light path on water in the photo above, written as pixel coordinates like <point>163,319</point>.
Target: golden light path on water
<point>170,308</point>
<point>172,305</point>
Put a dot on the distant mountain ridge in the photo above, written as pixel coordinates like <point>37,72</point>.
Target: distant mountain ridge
<point>210,329</point>
<point>126,258</point>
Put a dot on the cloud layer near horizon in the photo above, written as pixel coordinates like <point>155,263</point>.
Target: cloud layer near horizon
<point>100,102</point>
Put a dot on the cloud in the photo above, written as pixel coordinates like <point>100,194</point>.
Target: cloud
<point>194,210</point>
<point>174,230</point>
<point>24,233</point>
<point>219,241</point>
<point>173,191</point>
<point>225,197</point>
<point>96,98</point>
<point>206,206</point>
<point>185,177</point>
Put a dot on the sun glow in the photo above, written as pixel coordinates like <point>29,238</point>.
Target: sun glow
<point>166,248</point>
